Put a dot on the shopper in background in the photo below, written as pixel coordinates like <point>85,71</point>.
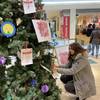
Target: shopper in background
<point>89,30</point>
<point>81,81</point>
<point>95,40</point>
<point>93,26</point>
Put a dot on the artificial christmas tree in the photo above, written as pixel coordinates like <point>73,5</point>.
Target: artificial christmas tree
<point>30,81</point>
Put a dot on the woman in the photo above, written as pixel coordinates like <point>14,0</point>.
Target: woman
<point>80,73</point>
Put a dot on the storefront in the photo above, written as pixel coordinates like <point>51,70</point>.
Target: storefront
<point>70,23</point>
<point>87,20</point>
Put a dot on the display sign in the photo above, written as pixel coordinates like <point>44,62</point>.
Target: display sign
<point>29,6</point>
<point>42,30</point>
<point>65,27</point>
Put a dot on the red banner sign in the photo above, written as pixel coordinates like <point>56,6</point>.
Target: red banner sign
<point>65,27</point>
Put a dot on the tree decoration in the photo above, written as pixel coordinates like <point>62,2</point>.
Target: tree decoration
<point>33,82</point>
<point>44,88</point>
<point>8,29</point>
<point>2,60</point>
<point>29,6</point>
<point>1,18</point>
<point>13,59</point>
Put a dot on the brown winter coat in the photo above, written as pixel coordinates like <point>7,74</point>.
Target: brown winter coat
<point>82,76</point>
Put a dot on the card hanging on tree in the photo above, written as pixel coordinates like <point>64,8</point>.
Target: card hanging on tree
<point>42,30</point>
<point>62,55</point>
<point>29,6</point>
<point>26,56</point>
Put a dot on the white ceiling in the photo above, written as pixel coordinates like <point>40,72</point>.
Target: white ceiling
<point>66,0</point>
<point>76,4</point>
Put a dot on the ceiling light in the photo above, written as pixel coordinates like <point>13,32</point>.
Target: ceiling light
<point>69,2</point>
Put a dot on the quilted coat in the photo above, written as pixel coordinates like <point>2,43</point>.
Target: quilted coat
<point>83,77</point>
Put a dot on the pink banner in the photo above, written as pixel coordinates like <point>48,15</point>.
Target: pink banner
<point>62,55</point>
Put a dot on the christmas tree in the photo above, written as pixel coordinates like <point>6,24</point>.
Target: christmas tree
<point>18,81</point>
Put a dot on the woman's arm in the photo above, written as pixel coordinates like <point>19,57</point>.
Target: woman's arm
<point>68,65</point>
<point>79,65</point>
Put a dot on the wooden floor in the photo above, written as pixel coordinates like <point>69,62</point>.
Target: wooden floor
<point>96,71</point>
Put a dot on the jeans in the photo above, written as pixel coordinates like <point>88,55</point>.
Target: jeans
<point>68,81</point>
<point>97,48</point>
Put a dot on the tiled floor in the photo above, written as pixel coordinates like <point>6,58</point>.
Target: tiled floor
<point>96,71</point>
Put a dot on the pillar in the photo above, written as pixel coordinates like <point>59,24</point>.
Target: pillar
<point>72,23</point>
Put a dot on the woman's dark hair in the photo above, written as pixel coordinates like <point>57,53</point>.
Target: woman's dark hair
<point>77,49</point>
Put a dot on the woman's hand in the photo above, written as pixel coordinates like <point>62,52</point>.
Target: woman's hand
<point>56,69</point>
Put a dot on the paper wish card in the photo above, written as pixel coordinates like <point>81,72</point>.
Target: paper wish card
<point>29,6</point>
<point>42,30</point>
<point>62,55</point>
<point>26,56</point>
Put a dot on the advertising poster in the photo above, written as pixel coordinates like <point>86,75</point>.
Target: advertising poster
<point>65,27</point>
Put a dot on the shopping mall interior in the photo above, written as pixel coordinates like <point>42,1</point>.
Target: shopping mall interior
<point>35,38</point>
<point>78,14</point>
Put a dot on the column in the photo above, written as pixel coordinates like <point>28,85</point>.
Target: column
<point>72,23</point>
